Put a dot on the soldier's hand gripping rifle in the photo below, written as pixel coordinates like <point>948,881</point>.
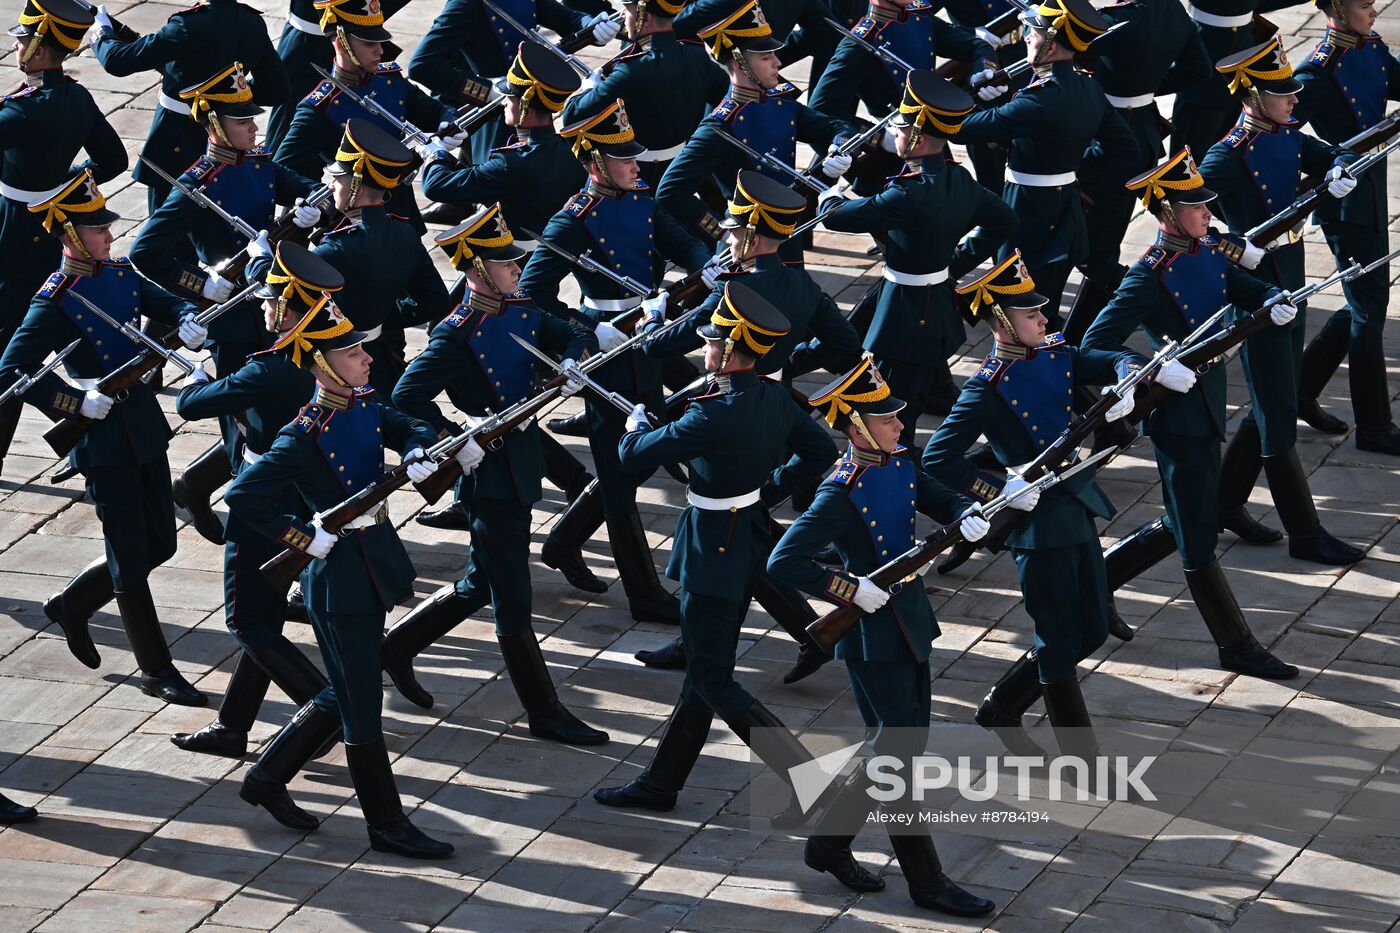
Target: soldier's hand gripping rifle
<point>771,160</point>
<point>895,574</point>
<point>1285,225</point>
<point>22,384</point>
<point>408,132</point>
<point>532,33</point>
<point>616,399</point>
<point>123,32</point>
<point>64,435</point>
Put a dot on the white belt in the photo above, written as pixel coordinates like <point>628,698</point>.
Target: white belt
<point>29,197</point>
<point>612,305</point>
<point>170,103</point>
<point>250,457</point>
<point>915,278</point>
<point>721,505</point>
<point>305,25</point>
<point>1130,103</point>
<point>373,333</point>
<point>1032,180</point>
<point>84,383</point>
<point>368,520</point>
<point>1224,22</point>
<point>661,155</point>
<point>528,246</point>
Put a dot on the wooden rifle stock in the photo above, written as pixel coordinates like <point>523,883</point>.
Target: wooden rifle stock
<point>66,434</point>
<point>449,470</point>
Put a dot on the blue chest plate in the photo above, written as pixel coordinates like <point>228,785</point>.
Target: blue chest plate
<point>505,366</point>
<point>390,90</point>
<point>769,125</point>
<point>1275,163</point>
<point>116,290</point>
<point>1195,283</point>
<point>352,441</point>
<point>247,189</point>
<point>507,37</point>
<point>885,498</point>
<point>1039,390</point>
<point>1363,75</point>
<point>622,230</point>
<point>911,40</point>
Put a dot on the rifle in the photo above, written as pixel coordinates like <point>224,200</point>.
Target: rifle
<point>283,229</point>
<point>533,33</point>
<point>615,399</point>
<point>471,119</point>
<point>405,129</point>
<point>198,196</point>
<point>123,32</point>
<point>879,51</point>
<point>892,576</point>
<point>66,434</point>
<point>772,161</point>
<point>1286,222</point>
<point>22,384</point>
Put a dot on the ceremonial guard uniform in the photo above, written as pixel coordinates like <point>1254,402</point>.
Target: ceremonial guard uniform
<point>1257,170</point>
<point>474,356</point>
<point>320,118</point>
<point>265,394</point>
<point>1346,82</point>
<point>916,328</point>
<point>627,230</point>
<point>800,25</point>
<point>745,434</point>
<point>867,509</point>
<point>44,124</point>
<point>988,159</point>
<point>1051,123</point>
<point>1204,110</point>
<point>669,84</point>
<point>332,450</point>
<point>211,31</point>
<point>182,245</point>
<point>122,455</point>
<point>767,118</point>
<point>1176,286</point>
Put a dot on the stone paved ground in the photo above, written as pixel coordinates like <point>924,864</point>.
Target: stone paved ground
<point>138,836</point>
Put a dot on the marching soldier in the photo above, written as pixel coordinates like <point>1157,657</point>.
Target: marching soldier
<point>887,652</point>
<point>760,110</point>
<point>359,41</point>
<point>45,123</point>
<point>333,449</point>
<point>800,25</point>
<point>1257,170</point>
<point>122,455</point>
<point>916,328</point>
<point>669,84</point>
<point>182,246</point>
<point>744,438</point>
<point>1177,285</point>
<point>474,356</point>
<point>989,160</point>
<point>1050,124</point>
<point>1345,84</point>
<point>469,47</point>
<point>265,394</point>
<point>213,31</point>
<point>616,219</point>
<point>1205,109</point>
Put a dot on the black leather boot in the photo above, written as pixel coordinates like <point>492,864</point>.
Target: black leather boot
<point>1091,298</point>
<point>447,213</point>
<point>72,607</point>
<point>829,848</point>
<point>1074,731</point>
<point>682,740</point>
<point>195,487</point>
<point>1239,650</point>
<point>572,426</point>
<point>428,621</point>
<point>12,813</point>
<point>451,517</point>
<point>790,609</point>
<point>265,785</point>
<point>669,657</point>
<point>227,736</point>
<point>1370,400</point>
<point>646,600</point>
<point>296,606</point>
<point>1001,709</point>
<point>810,658</point>
<point>957,555</point>
<point>389,829</point>
<point>563,546</point>
<point>1323,354</point>
<point>1239,469</point>
<point>928,886</point>
<point>1319,418</point>
<point>781,752</point>
<point>1380,440</point>
<point>563,469</point>
<point>1137,552</point>
<point>549,719</point>
<point>159,678</point>
<point>1307,539</point>
<point>1116,626</point>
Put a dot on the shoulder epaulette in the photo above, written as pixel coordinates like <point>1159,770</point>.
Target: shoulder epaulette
<point>1322,54</point>
<point>52,285</point>
<point>202,168</point>
<point>22,91</point>
<point>576,205</point>
<point>989,369</point>
<point>1153,257</point>
<point>117,261</point>
<point>257,152</point>
<point>364,392</point>
<point>511,146</point>
<point>190,9</point>
<point>1236,138</point>
<point>786,89</point>
<point>459,316</point>
<point>388,68</point>
<point>865,27</point>
<point>1052,341</point>
<point>726,109</point>
<point>308,420</point>
<point>846,471</point>
<point>323,92</point>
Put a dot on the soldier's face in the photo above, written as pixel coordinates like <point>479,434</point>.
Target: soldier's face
<point>97,241</point>
<point>1360,15</point>
<point>1030,326</point>
<point>884,431</point>
<point>1279,107</point>
<point>505,276</point>
<point>1193,219</point>
<point>242,133</point>
<point>351,364</point>
<point>369,54</point>
<point>765,66</point>
<point>623,173</point>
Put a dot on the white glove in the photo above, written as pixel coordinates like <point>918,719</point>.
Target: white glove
<point>654,308</point>
<point>320,545</point>
<point>573,385</point>
<point>1176,377</point>
<point>989,91</point>
<point>989,37</point>
<point>711,272</point>
<point>470,456</point>
<point>604,27</point>
<point>451,135</point>
<point>192,333</point>
<point>305,215</point>
<point>1015,484</point>
<point>1339,183</point>
<point>974,527</point>
<point>1253,255</point>
<point>869,597</point>
<point>434,148</point>
<point>836,163</point>
<point>890,141</point>
<point>259,246</point>
<point>638,420</point>
<point>1121,408</point>
<point>103,19</point>
<point>608,336</point>
<point>419,466</point>
<point>216,287</point>
<point>1283,313</point>
<point>198,376</point>
<point>95,405</point>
